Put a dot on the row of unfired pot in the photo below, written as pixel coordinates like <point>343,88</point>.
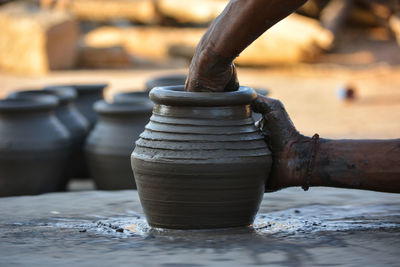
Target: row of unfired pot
<point>47,134</point>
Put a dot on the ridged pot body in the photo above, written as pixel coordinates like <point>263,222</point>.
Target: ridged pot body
<point>34,152</point>
<point>200,166</point>
<point>111,142</point>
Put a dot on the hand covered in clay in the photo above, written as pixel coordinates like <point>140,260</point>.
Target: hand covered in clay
<point>209,72</point>
<point>290,149</point>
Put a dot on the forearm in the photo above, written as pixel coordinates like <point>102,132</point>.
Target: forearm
<point>361,164</point>
<point>243,21</point>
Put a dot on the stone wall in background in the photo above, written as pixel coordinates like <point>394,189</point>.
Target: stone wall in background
<point>42,35</point>
<point>295,39</point>
<point>140,11</point>
<point>34,41</point>
<point>191,11</point>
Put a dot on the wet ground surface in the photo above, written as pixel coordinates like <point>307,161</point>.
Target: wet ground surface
<point>323,227</point>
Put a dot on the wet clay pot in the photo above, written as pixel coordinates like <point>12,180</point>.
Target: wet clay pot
<point>87,95</point>
<point>34,146</point>
<point>72,119</point>
<point>111,142</point>
<point>201,162</point>
<point>167,80</point>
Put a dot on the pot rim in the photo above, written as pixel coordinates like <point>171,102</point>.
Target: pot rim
<point>262,91</point>
<point>165,79</point>
<point>63,94</point>
<point>82,88</point>
<point>176,96</point>
<point>135,97</point>
<point>132,94</point>
<point>105,108</point>
<point>45,102</point>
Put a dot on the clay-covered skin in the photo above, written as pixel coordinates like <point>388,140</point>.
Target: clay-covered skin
<point>362,164</point>
<point>241,22</point>
<point>201,162</point>
<point>358,164</point>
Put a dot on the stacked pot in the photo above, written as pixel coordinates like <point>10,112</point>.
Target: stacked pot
<point>86,96</point>
<point>112,140</point>
<point>43,134</point>
<point>34,146</point>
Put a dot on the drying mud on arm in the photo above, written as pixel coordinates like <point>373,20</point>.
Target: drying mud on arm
<point>241,22</point>
<point>357,164</point>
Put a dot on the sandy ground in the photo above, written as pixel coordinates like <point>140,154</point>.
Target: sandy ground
<point>309,93</point>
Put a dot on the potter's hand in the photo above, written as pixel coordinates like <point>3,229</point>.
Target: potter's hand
<point>290,149</point>
<point>241,22</point>
<point>210,72</point>
<point>303,161</point>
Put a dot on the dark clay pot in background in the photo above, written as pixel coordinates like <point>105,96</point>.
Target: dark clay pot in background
<point>111,142</point>
<point>87,95</point>
<point>76,124</point>
<point>72,119</point>
<point>34,146</point>
<point>166,80</point>
<point>201,162</point>
<point>132,97</point>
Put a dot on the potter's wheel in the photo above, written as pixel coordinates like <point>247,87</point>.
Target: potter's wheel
<point>292,228</point>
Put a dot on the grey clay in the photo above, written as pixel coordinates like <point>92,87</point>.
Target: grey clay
<point>201,162</point>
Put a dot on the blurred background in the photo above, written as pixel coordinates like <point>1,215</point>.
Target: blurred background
<point>335,64</point>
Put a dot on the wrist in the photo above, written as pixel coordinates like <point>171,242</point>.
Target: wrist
<point>298,159</point>
<point>309,152</point>
<point>208,59</point>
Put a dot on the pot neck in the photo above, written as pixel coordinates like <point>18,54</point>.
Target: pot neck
<point>236,112</point>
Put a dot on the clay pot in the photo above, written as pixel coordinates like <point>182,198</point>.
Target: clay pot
<point>132,97</point>
<point>72,119</point>
<point>34,146</point>
<point>167,80</point>
<point>87,95</point>
<point>76,124</point>
<point>201,162</point>
<point>111,142</point>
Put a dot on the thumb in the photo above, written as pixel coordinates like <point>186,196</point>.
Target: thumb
<point>275,121</point>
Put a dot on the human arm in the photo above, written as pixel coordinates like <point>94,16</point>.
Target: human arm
<point>241,22</point>
<point>358,164</point>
